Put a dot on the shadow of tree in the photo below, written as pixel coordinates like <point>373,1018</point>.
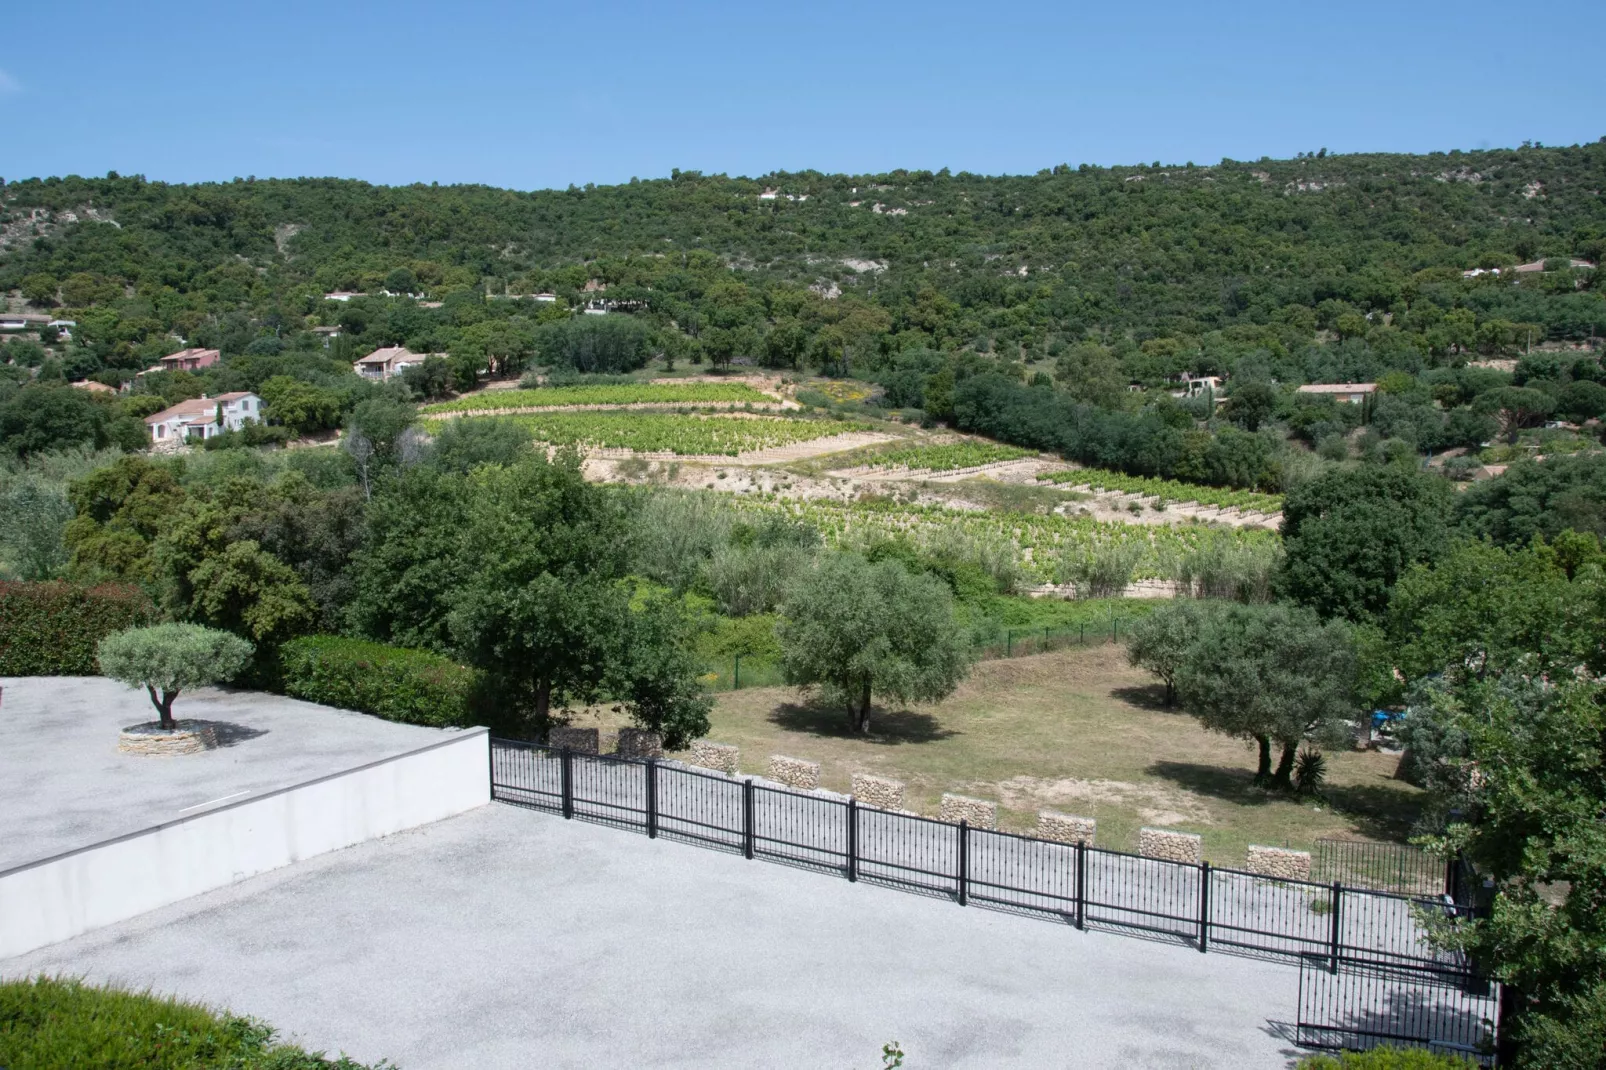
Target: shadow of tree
<point>1147,697</point>
<point>887,727</point>
<point>230,734</point>
<point>1381,811</point>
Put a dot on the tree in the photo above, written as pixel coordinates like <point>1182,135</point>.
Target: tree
<point>377,436</point>
<point>1274,674</point>
<point>39,418</point>
<point>168,659</point>
<point>1250,404</point>
<point>654,671</point>
<point>301,407</point>
<point>1159,642</point>
<point>33,515</point>
<point>1517,407</point>
<point>854,629</point>
<point>1349,535</point>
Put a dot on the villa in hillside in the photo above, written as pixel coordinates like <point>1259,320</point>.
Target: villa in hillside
<point>204,417</point>
<point>385,363</point>
<point>1350,393</point>
<point>189,360</point>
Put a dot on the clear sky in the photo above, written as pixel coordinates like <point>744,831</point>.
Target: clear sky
<point>536,94</point>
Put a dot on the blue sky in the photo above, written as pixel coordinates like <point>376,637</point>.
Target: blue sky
<point>537,95</point>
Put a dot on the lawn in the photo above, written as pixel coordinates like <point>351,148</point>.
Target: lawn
<point>1080,731</point>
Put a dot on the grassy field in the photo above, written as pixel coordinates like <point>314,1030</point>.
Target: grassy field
<point>1079,731</point>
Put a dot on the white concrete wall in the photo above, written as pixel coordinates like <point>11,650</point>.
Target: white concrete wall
<point>58,898</point>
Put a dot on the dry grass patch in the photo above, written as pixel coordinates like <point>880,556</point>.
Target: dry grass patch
<point>1076,730</point>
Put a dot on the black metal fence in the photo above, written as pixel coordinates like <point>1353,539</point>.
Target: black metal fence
<point>1200,905</point>
<point>1381,867</point>
<point>1361,1007</point>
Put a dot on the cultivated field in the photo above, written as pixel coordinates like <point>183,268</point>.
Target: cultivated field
<point>681,434</point>
<point>1166,489</point>
<point>1079,731</point>
<point>603,394</point>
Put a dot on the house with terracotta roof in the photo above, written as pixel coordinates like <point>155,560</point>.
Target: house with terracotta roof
<point>189,360</point>
<point>385,363</point>
<point>1351,393</point>
<point>204,417</point>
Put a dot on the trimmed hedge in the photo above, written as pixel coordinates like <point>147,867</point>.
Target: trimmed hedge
<point>48,1022</point>
<point>1386,1058</point>
<point>398,684</point>
<point>52,629</point>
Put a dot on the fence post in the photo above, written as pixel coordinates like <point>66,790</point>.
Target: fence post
<point>1083,640</point>
<point>853,838</point>
<point>1332,940</point>
<point>490,763</point>
<point>652,798</point>
<point>567,757</point>
<point>964,862</point>
<point>747,817</point>
<point>736,674</point>
<point>1009,643</point>
<point>1449,879</point>
<point>1081,884</point>
<point>1204,907</point>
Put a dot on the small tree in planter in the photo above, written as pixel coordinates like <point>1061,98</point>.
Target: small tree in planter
<point>167,659</point>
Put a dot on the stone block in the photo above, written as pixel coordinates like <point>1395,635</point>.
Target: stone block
<point>794,772</point>
<point>1279,862</point>
<point>1170,846</point>
<point>881,792</point>
<point>980,813</point>
<point>152,740</point>
<point>579,740</point>
<point>639,743</point>
<point>1065,828</point>
<point>719,757</point>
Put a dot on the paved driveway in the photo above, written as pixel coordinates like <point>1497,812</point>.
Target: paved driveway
<point>506,938</point>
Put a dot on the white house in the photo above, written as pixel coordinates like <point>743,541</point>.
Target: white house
<point>204,417</point>
<point>385,363</point>
<point>1198,386</point>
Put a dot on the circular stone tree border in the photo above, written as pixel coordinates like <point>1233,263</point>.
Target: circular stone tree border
<point>152,740</point>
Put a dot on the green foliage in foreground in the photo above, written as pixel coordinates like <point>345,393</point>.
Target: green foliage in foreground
<point>52,629</point>
<point>1386,1059</point>
<point>398,684</point>
<point>48,1023</point>
<point>172,658</point>
<point>604,394</point>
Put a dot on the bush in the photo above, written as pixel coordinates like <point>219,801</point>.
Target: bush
<point>52,629</point>
<point>398,684</point>
<point>52,1022</point>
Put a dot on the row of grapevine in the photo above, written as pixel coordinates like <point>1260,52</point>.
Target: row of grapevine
<point>946,458</point>
<point>1037,542</point>
<point>1167,489</point>
<point>685,434</point>
<point>604,394</point>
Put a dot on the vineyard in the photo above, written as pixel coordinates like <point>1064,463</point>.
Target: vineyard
<point>679,433</point>
<point>946,458</point>
<point>605,394</point>
<point>1036,543</point>
<point>1168,489</point>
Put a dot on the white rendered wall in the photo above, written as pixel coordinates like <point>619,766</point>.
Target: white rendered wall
<point>59,898</point>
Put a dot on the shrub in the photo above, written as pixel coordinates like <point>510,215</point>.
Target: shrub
<point>52,629</point>
<point>398,684</point>
<point>51,1022</point>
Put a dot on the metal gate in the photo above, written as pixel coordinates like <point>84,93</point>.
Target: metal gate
<point>1361,1007</point>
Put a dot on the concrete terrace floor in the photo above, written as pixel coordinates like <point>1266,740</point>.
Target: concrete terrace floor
<point>509,938</point>
<point>64,784</point>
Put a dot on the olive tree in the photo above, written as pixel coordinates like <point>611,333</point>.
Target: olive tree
<point>852,629</point>
<point>168,659</point>
<point>1159,641</point>
<point>1271,674</point>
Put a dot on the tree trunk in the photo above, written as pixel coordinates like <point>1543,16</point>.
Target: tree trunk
<point>543,701</point>
<point>164,706</point>
<point>1284,777</point>
<point>1170,693</point>
<point>862,721</point>
<point>1263,769</point>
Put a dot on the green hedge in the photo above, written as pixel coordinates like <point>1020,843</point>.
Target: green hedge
<point>1386,1058</point>
<point>412,686</point>
<point>48,1023</point>
<point>52,629</point>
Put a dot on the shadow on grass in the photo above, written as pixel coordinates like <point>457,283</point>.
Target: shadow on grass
<point>1381,811</point>
<point>888,727</point>
<point>1147,697</point>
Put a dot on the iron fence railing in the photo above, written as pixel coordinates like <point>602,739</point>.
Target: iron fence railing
<point>1200,905</point>
<point>1358,1007</point>
<point>1381,867</point>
